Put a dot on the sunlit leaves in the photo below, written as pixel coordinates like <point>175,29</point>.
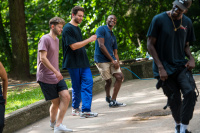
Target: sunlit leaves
<point>133,20</point>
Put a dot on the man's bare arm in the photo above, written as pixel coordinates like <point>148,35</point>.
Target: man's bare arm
<point>151,42</point>
<point>106,53</point>
<point>47,64</point>
<point>4,79</point>
<point>191,63</point>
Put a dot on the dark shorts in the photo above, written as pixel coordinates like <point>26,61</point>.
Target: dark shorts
<point>51,91</point>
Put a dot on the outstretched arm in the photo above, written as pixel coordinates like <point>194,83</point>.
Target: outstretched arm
<point>151,42</point>
<point>81,44</point>
<point>4,79</point>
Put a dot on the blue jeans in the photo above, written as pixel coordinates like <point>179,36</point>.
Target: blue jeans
<point>82,84</point>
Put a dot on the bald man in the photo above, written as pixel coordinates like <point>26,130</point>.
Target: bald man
<point>107,60</point>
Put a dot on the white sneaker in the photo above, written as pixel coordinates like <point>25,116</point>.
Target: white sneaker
<point>76,112</point>
<point>88,114</point>
<point>62,128</point>
<point>52,124</point>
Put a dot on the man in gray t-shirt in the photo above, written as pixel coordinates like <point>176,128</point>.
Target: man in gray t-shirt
<point>49,77</point>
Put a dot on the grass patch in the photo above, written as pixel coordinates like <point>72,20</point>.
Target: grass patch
<point>69,84</point>
<point>20,98</point>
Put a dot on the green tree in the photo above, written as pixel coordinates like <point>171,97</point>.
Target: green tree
<point>6,54</point>
<point>20,68</point>
<point>134,18</point>
<point>194,14</point>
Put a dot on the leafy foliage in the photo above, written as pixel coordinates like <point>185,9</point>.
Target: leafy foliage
<point>133,20</point>
<point>5,43</point>
<point>194,14</point>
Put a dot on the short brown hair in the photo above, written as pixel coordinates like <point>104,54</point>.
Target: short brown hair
<point>55,21</point>
<point>76,9</point>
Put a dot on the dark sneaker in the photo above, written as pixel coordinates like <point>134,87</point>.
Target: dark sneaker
<point>114,104</point>
<point>186,131</point>
<point>177,129</point>
<point>108,99</point>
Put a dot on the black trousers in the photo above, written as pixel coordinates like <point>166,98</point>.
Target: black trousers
<point>2,111</point>
<point>181,82</point>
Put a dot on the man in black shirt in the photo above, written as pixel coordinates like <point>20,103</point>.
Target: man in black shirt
<point>168,42</point>
<point>76,61</point>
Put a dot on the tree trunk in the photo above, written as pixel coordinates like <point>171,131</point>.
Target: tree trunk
<point>5,51</point>
<point>20,69</point>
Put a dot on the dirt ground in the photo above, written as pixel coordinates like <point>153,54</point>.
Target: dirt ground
<point>26,83</point>
<point>21,84</point>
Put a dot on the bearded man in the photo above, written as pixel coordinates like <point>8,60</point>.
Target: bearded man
<point>75,60</point>
<point>49,77</point>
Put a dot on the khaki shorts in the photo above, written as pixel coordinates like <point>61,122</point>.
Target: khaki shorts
<point>107,70</point>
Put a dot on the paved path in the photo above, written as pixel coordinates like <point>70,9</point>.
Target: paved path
<point>140,96</point>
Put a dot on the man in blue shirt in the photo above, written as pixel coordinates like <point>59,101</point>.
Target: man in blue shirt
<point>168,42</point>
<point>107,60</point>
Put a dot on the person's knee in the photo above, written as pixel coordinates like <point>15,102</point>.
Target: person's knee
<point>55,103</point>
<point>175,103</point>
<point>90,81</point>
<point>174,100</point>
<point>191,95</point>
<point>109,81</point>
<point>65,96</point>
<point>119,77</point>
